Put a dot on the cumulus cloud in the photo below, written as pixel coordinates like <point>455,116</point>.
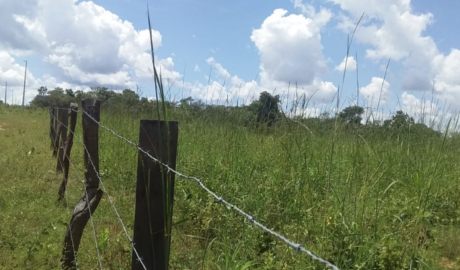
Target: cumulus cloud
<point>290,48</point>
<point>13,73</point>
<point>290,51</point>
<point>377,92</point>
<point>415,79</point>
<point>394,31</point>
<point>390,27</point>
<point>447,79</point>
<point>424,111</point>
<point>350,63</point>
<point>88,44</point>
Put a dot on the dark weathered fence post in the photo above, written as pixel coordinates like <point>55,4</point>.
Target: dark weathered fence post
<point>52,125</point>
<point>63,117</point>
<point>68,148</point>
<point>92,194</point>
<point>154,194</point>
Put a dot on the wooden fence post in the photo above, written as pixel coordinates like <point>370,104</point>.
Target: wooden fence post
<point>63,117</point>
<point>68,148</point>
<point>52,124</point>
<point>92,194</point>
<point>154,195</point>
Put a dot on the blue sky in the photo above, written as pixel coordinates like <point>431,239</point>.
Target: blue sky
<point>247,46</point>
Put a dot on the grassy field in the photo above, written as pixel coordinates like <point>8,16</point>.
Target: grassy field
<point>359,200</point>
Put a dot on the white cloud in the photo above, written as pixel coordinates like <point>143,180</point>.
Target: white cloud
<point>223,88</point>
<point>447,80</point>
<point>350,62</point>
<point>196,68</point>
<point>290,48</point>
<point>377,92</point>
<point>424,111</point>
<point>218,67</point>
<point>13,73</point>
<point>390,26</point>
<point>394,31</point>
<point>290,51</point>
<point>87,43</point>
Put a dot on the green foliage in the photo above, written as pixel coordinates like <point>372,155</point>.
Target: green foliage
<point>42,90</point>
<point>399,121</point>
<point>352,115</point>
<point>266,108</point>
<point>55,97</point>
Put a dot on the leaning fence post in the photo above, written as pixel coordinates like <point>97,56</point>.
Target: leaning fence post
<point>154,195</point>
<point>68,148</point>
<point>52,125</point>
<point>64,122</point>
<point>92,194</point>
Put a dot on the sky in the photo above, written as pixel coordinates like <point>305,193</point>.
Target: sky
<point>404,55</point>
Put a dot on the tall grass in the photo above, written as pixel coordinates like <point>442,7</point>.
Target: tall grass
<point>392,199</point>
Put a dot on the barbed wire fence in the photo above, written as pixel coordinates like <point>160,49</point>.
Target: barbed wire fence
<point>105,192</point>
<point>296,246</point>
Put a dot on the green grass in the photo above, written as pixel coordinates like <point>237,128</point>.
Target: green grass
<point>377,203</point>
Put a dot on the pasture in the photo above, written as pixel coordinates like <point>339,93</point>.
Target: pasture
<point>360,198</point>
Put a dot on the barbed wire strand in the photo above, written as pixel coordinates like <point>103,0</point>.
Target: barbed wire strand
<point>295,246</point>
<point>87,202</point>
<point>108,196</point>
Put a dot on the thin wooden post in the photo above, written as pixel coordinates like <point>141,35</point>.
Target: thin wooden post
<point>154,195</point>
<point>92,194</point>
<point>52,125</point>
<point>57,134</point>
<point>67,149</point>
<point>63,117</point>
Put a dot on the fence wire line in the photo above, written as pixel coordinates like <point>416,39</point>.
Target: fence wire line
<point>295,246</point>
<point>87,200</point>
<point>106,193</point>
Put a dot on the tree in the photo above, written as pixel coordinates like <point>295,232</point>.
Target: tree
<point>352,115</point>
<point>129,97</point>
<point>70,92</point>
<point>400,120</point>
<point>55,97</point>
<point>42,91</point>
<point>266,108</point>
<point>103,94</point>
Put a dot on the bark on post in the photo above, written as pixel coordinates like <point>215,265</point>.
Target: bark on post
<point>52,125</point>
<point>67,149</point>
<point>64,121</point>
<point>92,194</point>
<point>154,195</point>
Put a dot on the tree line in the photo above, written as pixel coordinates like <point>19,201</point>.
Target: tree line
<point>264,112</point>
